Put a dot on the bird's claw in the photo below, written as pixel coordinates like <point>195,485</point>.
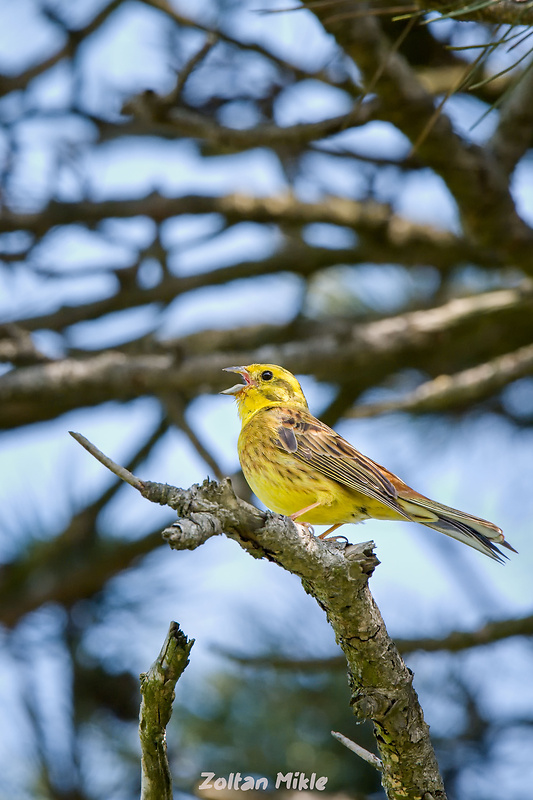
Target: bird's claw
<point>335,539</point>
<point>306,526</point>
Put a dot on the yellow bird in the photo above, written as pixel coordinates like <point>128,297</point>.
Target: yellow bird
<point>298,466</point>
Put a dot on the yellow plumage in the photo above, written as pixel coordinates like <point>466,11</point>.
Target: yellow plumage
<point>297,465</point>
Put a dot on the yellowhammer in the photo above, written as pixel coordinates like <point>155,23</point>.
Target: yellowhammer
<point>298,466</point>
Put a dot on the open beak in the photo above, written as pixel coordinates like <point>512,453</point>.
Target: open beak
<point>238,386</point>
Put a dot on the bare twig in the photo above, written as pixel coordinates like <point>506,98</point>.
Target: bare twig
<point>157,696</point>
<point>191,65</point>
<point>370,758</point>
<point>121,472</point>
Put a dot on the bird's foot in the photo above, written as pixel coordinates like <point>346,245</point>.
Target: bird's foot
<point>330,530</point>
<point>307,527</point>
<point>337,538</point>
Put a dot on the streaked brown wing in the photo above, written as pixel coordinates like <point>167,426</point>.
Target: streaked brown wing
<point>314,443</point>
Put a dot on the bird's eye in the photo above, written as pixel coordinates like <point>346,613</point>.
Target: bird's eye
<point>267,375</point>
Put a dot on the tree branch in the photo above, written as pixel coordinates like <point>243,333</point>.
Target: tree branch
<point>459,390</point>
<point>383,231</point>
<point>18,348</point>
<point>190,66</point>
<point>453,642</point>
<point>152,115</point>
<point>368,216</point>
<point>253,47</point>
<point>370,758</point>
<point>498,12</point>
<point>337,576</point>
<point>384,237</point>
<point>294,257</point>
<point>157,696</point>
<point>487,208</point>
<point>74,39</point>
<point>463,640</point>
<point>514,134</point>
<point>121,472</point>
<point>334,350</point>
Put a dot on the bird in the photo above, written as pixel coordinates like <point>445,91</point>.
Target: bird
<point>300,467</point>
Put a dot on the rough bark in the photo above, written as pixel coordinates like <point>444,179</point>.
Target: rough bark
<point>157,693</point>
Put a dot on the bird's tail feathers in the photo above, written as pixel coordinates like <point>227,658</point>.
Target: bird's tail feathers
<point>476,532</point>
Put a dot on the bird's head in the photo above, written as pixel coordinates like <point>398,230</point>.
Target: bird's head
<point>264,385</point>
